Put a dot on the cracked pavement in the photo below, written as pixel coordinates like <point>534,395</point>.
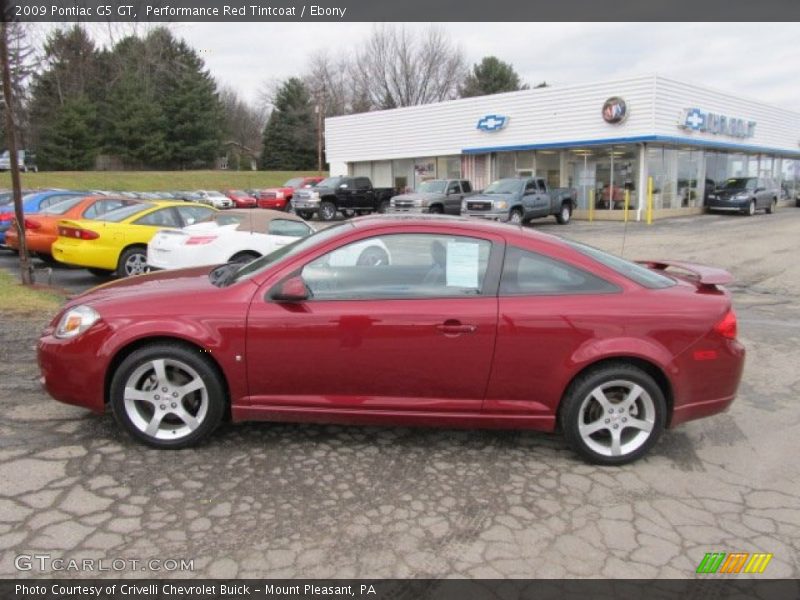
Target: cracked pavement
<point>285,500</point>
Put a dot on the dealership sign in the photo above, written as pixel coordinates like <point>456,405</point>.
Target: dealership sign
<point>615,110</point>
<point>695,119</point>
<point>492,122</point>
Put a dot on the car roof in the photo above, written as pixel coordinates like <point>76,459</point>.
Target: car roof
<point>257,220</point>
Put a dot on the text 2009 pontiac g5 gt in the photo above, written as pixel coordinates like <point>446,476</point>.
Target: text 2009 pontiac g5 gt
<point>448,322</point>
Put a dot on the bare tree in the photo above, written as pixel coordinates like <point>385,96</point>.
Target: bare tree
<point>397,68</point>
<point>244,124</point>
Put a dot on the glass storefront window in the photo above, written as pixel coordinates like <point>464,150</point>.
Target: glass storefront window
<point>424,169</point>
<point>403,174</point>
<point>448,167</point>
<point>506,165</point>
<point>691,188</point>
<point>662,166</point>
<point>526,161</point>
<point>548,166</point>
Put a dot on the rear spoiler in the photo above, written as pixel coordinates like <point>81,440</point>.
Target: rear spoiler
<point>707,276</point>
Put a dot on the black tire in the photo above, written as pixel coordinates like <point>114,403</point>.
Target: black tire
<point>436,209</point>
<point>565,214</point>
<point>751,208</point>
<point>327,211</point>
<point>579,402</point>
<point>177,357</point>
<point>288,207</point>
<point>773,206</point>
<point>515,217</point>
<point>101,273</point>
<point>244,257</point>
<point>47,259</point>
<point>383,207</point>
<point>133,261</point>
<point>372,257</point>
<point>305,214</point>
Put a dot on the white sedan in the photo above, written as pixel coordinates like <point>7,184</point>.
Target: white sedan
<point>215,199</point>
<point>230,236</point>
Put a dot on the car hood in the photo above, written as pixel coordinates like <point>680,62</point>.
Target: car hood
<point>490,197</point>
<point>729,191</point>
<point>424,196</point>
<point>149,289</point>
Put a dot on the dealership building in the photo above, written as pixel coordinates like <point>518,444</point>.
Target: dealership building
<point>641,137</point>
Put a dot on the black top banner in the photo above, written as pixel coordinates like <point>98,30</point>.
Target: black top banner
<point>401,10</point>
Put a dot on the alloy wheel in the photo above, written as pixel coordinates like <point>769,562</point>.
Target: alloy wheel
<point>136,264</point>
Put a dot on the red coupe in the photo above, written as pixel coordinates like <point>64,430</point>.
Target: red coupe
<point>280,198</point>
<point>241,199</point>
<point>413,321</point>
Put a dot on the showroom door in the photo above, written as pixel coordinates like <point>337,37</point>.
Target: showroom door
<point>409,328</point>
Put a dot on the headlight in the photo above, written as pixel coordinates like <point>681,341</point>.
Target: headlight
<point>420,203</point>
<point>75,321</point>
<point>279,195</point>
<point>501,204</point>
<point>741,197</point>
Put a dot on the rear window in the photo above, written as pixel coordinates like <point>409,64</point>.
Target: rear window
<point>637,273</point>
<point>61,207</point>
<point>115,216</point>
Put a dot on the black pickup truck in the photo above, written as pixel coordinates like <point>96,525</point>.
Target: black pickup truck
<point>348,195</point>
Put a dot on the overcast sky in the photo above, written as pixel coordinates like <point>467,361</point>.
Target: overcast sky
<point>755,60</point>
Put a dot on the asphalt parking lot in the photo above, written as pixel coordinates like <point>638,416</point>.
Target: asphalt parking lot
<point>283,500</point>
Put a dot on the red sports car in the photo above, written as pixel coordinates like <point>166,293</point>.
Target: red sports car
<point>414,321</point>
<point>241,199</point>
<point>280,198</point>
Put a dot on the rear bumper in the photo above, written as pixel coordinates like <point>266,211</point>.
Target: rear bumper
<point>74,254</point>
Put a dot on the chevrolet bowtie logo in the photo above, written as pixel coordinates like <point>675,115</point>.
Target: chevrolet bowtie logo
<point>492,122</point>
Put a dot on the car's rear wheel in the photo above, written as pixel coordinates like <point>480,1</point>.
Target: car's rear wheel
<point>436,209</point>
<point>614,414</point>
<point>327,211</point>
<point>372,257</point>
<point>244,257</point>
<point>515,216</point>
<point>773,205</point>
<point>383,207</point>
<point>133,261</point>
<point>751,208</point>
<point>167,396</point>
<point>565,214</point>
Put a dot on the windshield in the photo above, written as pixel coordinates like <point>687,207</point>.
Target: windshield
<point>737,183</point>
<point>120,214</point>
<point>238,193</point>
<point>641,275</point>
<point>505,186</point>
<point>435,186</point>
<point>260,264</point>
<point>62,207</point>
<point>295,182</point>
<point>331,182</point>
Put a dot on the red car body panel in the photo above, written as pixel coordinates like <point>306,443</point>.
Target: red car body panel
<point>241,200</point>
<point>277,198</point>
<point>386,361</point>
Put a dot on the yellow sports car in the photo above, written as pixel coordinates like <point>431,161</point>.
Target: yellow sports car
<point>116,242</point>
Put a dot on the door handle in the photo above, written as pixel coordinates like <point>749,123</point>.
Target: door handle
<point>452,327</point>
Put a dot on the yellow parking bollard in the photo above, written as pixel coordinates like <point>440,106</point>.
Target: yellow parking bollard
<point>627,203</point>
<point>591,205</point>
<point>649,200</point>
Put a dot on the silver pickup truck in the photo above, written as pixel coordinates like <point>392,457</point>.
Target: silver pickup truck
<point>518,200</point>
<point>442,196</point>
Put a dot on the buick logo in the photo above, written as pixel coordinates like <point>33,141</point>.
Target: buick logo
<point>492,122</point>
<point>615,110</point>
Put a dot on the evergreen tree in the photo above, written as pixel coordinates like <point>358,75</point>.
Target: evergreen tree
<point>491,76</point>
<point>69,142</point>
<point>290,135</point>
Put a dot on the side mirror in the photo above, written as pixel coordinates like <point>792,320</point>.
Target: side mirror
<point>293,289</point>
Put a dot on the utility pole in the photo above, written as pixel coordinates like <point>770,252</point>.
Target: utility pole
<point>318,110</point>
<point>25,267</point>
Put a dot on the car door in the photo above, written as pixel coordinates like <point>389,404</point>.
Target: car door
<point>411,331</point>
<point>529,197</point>
<point>453,197</point>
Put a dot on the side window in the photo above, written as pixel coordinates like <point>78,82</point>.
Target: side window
<point>401,266</point>
<point>452,188</point>
<point>362,183</point>
<point>288,228</point>
<point>51,200</point>
<point>530,187</point>
<point>193,214</point>
<point>542,186</point>
<point>527,273</point>
<point>163,217</point>
<point>466,187</point>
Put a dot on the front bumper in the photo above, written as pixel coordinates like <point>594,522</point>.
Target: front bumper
<point>305,205</point>
<point>728,204</point>
<point>73,371</point>
<point>273,203</point>
<point>414,210</point>
<point>487,214</point>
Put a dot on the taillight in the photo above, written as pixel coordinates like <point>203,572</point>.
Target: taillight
<point>197,240</point>
<point>76,233</point>
<point>727,326</point>
<point>31,224</point>
<point>6,216</point>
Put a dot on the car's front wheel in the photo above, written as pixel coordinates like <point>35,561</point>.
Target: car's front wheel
<point>132,262</point>
<point>167,395</point>
<point>614,414</point>
<point>327,211</point>
<point>751,208</point>
<point>515,216</point>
